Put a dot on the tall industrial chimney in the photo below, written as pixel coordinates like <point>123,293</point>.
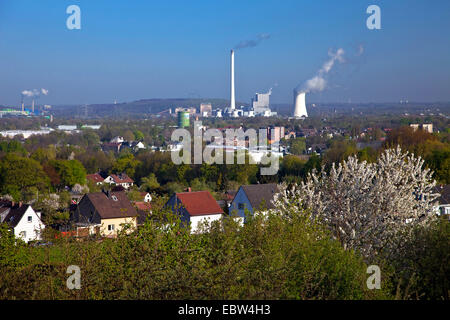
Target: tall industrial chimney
<point>232,98</point>
<point>299,104</point>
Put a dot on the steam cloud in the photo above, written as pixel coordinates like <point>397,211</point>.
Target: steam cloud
<point>318,82</point>
<point>34,93</point>
<point>252,43</point>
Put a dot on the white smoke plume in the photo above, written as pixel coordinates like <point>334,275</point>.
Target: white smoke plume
<point>318,82</point>
<point>34,93</point>
<point>252,43</point>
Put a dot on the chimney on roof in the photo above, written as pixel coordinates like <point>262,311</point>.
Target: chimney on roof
<point>189,189</point>
<point>20,204</point>
<point>12,203</point>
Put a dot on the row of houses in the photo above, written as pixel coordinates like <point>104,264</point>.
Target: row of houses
<point>107,213</point>
<point>117,144</point>
<point>121,179</point>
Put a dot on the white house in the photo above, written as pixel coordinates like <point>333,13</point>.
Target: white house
<point>195,208</point>
<point>23,220</point>
<point>121,179</point>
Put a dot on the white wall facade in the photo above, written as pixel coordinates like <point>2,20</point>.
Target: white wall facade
<point>29,231</point>
<point>197,220</point>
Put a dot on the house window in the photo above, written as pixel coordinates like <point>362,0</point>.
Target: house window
<point>114,198</point>
<point>110,227</point>
<point>23,234</point>
<point>241,206</point>
<point>30,219</point>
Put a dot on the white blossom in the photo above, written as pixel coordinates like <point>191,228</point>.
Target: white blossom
<point>366,204</point>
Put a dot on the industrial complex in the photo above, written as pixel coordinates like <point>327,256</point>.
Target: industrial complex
<point>259,106</point>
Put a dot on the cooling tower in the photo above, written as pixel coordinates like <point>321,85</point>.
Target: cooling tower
<point>299,104</point>
<point>232,101</point>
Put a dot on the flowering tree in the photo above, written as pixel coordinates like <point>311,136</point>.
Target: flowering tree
<point>366,204</point>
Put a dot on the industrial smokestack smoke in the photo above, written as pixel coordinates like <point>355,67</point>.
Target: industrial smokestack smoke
<point>252,43</point>
<point>318,82</point>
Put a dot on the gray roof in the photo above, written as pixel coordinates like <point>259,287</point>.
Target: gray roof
<point>444,190</point>
<point>111,204</point>
<point>15,215</point>
<point>261,195</point>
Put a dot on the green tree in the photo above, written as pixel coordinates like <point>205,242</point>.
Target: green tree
<point>298,145</point>
<point>126,164</point>
<point>70,172</point>
<point>43,155</point>
<point>17,174</point>
<point>139,136</point>
<point>149,183</point>
<point>292,165</point>
<point>13,146</point>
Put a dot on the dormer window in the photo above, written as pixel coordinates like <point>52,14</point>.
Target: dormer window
<point>114,198</point>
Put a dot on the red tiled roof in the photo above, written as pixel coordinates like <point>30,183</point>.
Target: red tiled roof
<point>199,203</point>
<point>144,206</point>
<point>121,178</point>
<point>95,177</point>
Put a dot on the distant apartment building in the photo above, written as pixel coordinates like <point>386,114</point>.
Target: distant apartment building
<point>25,133</point>
<point>275,134</point>
<point>67,127</point>
<point>426,127</point>
<point>91,126</point>
<point>205,109</point>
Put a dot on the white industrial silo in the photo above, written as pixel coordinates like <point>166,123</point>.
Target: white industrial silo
<point>299,104</point>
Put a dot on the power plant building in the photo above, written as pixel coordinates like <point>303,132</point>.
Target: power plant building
<point>300,104</point>
<point>261,103</point>
<point>205,109</point>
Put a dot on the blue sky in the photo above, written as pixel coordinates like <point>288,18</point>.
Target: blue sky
<point>129,50</point>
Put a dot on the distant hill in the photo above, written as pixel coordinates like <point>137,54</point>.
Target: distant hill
<point>134,109</point>
<point>151,107</point>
